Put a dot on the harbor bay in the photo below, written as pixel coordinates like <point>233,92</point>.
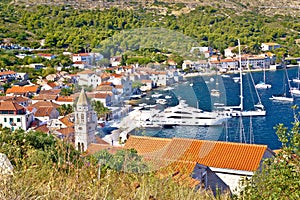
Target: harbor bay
<point>256,129</point>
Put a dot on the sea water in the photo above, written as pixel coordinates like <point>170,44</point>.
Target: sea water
<point>258,129</point>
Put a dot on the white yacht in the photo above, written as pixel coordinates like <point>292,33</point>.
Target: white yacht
<point>185,115</point>
<point>263,85</point>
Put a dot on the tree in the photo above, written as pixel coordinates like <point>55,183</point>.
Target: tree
<point>65,109</point>
<point>100,109</point>
<point>280,175</point>
<point>66,91</point>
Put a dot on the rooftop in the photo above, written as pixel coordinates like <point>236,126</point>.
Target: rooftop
<point>216,154</point>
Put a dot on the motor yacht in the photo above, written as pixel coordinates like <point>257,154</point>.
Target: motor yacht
<point>185,115</point>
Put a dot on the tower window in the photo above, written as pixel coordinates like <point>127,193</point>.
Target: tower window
<point>82,118</point>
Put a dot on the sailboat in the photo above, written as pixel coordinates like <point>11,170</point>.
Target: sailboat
<point>235,111</point>
<point>297,80</point>
<point>263,84</point>
<point>296,90</point>
<point>284,97</point>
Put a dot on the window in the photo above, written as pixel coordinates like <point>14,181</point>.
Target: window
<point>11,120</point>
<point>18,119</point>
<point>5,120</point>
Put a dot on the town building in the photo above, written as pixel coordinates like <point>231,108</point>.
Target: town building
<point>14,116</point>
<point>216,165</point>
<point>269,46</point>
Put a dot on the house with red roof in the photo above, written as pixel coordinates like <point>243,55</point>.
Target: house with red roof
<point>89,78</point>
<point>14,116</point>
<point>104,98</point>
<point>85,60</point>
<point>47,56</point>
<point>46,113</point>
<point>7,74</point>
<point>214,164</point>
<point>27,90</point>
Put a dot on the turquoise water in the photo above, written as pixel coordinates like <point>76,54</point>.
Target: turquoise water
<point>263,132</point>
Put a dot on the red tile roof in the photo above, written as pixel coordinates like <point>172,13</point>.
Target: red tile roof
<point>44,111</point>
<point>104,88</point>
<point>81,54</point>
<point>10,105</point>
<point>66,121</point>
<point>93,148</point>
<point>97,95</point>
<point>45,104</point>
<point>44,97</point>
<point>50,92</point>
<point>43,128</point>
<point>22,89</point>
<point>67,132</point>
<point>88,71</point>
<point>7,73</point>
<point>216,154</point>
<point>52,84</point>
<point>65,99</point>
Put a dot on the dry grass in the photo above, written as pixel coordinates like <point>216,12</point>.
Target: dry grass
<point>67,182</point>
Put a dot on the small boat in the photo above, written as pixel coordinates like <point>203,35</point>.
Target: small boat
<point>295,92</point>
<point>225,76</point>
<point>136,96</point>
<point>156,95</point>
<point>161,101</point>
<point>236,79</point>
<point>142,104</point>
<point>284,97</point>
<point>168,97</point>
<point>168,88</point>
<point>215,93</point>
<point>281,98</point>
<point>263,85</point>
<point>297,80</point>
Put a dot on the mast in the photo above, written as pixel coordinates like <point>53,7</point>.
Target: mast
<point>251,132</point>
<point>241,77</point>
<point>264,73</point>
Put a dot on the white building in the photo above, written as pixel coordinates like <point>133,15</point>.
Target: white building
<point>87,58</point>
<point>269,46</point>
<point>14,116</point>
<point>88,78</point>
<point>159,78</point>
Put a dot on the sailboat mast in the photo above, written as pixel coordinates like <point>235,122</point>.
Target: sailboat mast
<point>264,72</point>
<point>241,77</point>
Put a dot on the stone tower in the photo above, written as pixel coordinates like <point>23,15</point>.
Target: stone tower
<point>85,123</point>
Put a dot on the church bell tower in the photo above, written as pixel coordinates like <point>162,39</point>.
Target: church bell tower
<point>85,123</point>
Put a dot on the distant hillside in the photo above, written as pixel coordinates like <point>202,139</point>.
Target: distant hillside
<point>290,7</point>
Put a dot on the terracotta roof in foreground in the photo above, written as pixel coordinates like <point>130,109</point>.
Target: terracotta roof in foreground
<point>226,155</point>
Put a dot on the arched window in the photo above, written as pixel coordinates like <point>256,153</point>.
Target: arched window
<point>78,146</point>
<point>82,147</point>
